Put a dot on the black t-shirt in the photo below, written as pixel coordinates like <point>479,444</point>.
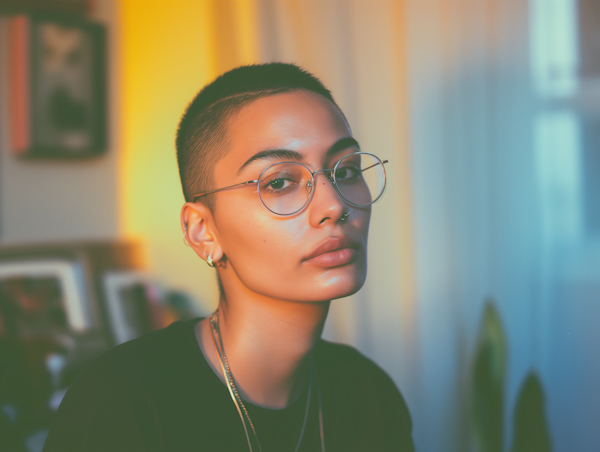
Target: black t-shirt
<point>158,393</point>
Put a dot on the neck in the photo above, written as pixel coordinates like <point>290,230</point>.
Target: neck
<point>267,343</point>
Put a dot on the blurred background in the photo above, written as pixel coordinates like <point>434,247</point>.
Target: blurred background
<point>483,295</point>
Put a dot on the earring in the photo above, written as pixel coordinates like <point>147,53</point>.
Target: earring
<point>344,216</point>
<point>210,262</point>
<point>185,236</point>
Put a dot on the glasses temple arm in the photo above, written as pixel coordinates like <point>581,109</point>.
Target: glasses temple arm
<point>364,169</point>
<point>223,188</point>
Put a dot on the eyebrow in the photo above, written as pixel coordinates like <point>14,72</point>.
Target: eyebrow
<point>287,154</point>
<point>340,145</point>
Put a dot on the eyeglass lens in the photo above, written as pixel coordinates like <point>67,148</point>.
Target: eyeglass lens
<point>285,188</point>
<point>360,178</point>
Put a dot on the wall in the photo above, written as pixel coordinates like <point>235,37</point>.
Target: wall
<point>46,201</point>
<point>169,51</point>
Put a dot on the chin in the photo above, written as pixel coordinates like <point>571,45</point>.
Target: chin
<point>339,282</point>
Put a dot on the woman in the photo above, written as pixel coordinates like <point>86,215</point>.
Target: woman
<point>278,200</point>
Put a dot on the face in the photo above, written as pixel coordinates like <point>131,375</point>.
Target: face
<point>288,257</point>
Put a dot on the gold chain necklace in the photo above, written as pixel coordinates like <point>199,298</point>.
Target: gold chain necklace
<point>237,400</point>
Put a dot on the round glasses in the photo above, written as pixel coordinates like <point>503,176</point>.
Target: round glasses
<point>285,188</point>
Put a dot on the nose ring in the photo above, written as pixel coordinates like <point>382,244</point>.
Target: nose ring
<point>344,216</point>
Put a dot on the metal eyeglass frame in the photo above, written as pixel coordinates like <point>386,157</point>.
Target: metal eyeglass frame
<point>330,176</point>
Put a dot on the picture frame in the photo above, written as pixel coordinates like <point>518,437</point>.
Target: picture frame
<point>133,302</point>
<point>57,86</point>
<point>44,297</point>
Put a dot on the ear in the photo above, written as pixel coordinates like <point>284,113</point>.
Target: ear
<point>199,231</point>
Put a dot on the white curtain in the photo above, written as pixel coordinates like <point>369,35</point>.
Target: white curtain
<point>499,198</point>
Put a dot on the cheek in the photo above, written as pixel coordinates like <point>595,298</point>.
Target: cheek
<point>257,242</point>
<point>360,220</point>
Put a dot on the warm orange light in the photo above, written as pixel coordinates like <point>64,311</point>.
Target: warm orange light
<point>169,50</point>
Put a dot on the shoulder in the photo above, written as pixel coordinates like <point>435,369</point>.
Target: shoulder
<point>140,359</point>
<point>342,353</point>
<point>364,389</point>
<point>353,371</point>
<point>341,359</point>
<point>115,392</point>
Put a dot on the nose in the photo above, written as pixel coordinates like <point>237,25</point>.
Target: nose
<point>326,205</point>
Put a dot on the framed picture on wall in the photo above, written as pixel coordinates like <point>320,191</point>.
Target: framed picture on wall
<point>42,297</point>
<point>134,306</point>
<point>57,86</point>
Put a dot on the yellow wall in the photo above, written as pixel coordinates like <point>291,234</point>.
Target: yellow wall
<point>169,50</point>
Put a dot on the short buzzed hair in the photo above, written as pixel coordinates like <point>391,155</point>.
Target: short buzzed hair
<point>202,133</point>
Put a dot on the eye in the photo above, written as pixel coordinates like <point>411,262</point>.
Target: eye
<point>282,180</point>
<point>347,172</point>
<point>278,184</point>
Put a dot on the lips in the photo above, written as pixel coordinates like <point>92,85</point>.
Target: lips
<point>334,251</point>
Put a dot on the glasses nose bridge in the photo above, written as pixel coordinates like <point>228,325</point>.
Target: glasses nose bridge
<point>331,180</point>
<point>329,176</point>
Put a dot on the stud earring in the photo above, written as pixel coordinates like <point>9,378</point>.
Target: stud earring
<point>210,262</point>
